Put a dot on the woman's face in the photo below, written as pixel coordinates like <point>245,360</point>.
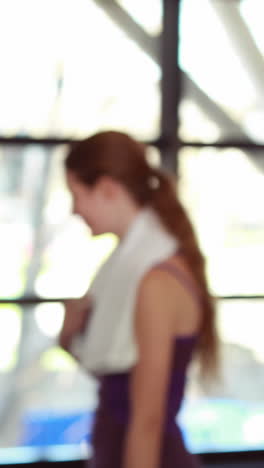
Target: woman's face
<point>91,203</point>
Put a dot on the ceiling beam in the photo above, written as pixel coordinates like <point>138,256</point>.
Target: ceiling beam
<point>242,42</point>
<point>149,44</point>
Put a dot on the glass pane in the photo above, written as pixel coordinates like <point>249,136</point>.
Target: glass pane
<point>23,176</point>
<point>218,52</point>
<point>46,401</point>
<point>222,190</point>
<point>69,79</point>
<point>229,415</point>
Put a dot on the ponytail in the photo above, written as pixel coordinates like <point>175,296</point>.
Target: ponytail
<point>165,201</point>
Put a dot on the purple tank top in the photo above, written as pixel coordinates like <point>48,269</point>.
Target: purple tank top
<point>114,388</point>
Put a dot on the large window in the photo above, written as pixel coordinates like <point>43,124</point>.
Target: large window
<point>222,189</point>
<point>221,57</point>
<point>69,68</point>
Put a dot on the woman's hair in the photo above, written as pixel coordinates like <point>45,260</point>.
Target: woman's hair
<point>119,156</point>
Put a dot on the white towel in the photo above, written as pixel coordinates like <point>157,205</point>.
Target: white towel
<point>108,344</point>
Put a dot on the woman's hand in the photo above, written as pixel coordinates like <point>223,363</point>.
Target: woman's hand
<point>75,318</point>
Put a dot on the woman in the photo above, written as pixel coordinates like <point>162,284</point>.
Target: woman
<point>142,370</point>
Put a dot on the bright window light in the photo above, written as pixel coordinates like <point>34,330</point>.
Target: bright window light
<point>208,56</point>
<point>74,71</point>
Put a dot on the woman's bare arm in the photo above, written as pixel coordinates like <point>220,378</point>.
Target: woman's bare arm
<point>149,383</point>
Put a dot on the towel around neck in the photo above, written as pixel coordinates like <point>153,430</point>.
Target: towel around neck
<point>108,343</point>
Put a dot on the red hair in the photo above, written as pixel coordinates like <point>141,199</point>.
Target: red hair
<point>121,157</point>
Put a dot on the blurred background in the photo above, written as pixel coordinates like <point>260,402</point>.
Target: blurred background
<point>186,77</point>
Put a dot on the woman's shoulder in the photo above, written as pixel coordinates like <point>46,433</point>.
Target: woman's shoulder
<point>173,270</point>
<point>171,288</point>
